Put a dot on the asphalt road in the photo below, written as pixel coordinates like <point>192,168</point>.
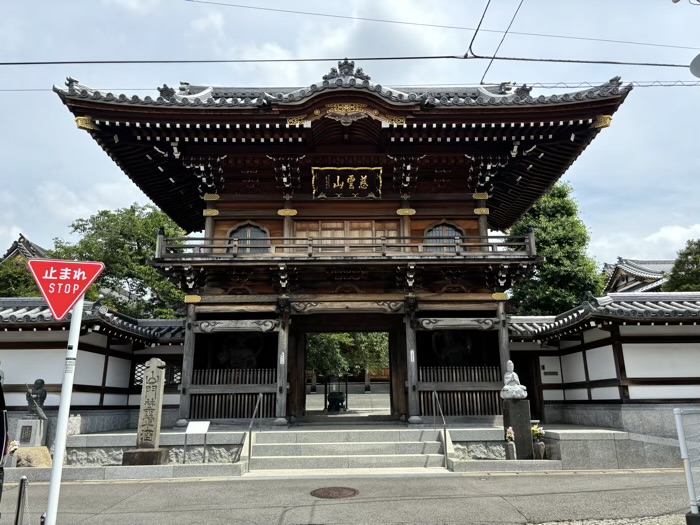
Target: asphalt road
<point>511,498</point>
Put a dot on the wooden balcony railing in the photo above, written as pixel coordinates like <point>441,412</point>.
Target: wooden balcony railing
<point>223,248</point>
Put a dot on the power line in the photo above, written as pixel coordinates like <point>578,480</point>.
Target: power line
<point>438,26</point>
<point>220,61</point>
<point>358,59</point>
<point>534,85</point>
<point>501,42</point>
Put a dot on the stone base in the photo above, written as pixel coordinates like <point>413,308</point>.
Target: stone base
<point>280,421</point>
<point>33,457</point>
<point>31,432</point>
<point>181,423</point>
<point>415,420</point>
<point>146,456</point>
<point>516,414</point>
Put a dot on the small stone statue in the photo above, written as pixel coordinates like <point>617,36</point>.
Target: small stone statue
<point>36,396</point>
<point>512,389</point>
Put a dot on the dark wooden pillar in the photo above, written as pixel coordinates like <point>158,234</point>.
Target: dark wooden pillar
<point>282,364</point>
<point>187,363</point>
<point>503,337</point>
<point>482,213</point>
<point>108,350</point>
<point>412,372</point>
<point>619,357</point>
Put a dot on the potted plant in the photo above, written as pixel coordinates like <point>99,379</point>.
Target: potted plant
<point>510,444</point>
<point>538,441</point>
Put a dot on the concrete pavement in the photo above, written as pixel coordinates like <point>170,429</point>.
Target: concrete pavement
<point>385,499</point>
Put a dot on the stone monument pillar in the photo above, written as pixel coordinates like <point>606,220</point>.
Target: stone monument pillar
<point>147,450</point>
<point>516,412</point>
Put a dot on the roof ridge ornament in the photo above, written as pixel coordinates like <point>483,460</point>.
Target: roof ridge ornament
<point>346,68</point>
<point>166,92</point>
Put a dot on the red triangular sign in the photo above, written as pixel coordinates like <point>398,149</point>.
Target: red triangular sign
<point>63,283</point>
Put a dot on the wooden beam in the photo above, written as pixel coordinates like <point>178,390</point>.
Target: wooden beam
<point>428,386</point>
<point>233,389</point>
<point>259,325</point>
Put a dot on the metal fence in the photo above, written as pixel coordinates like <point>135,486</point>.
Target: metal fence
<point>688,428</point>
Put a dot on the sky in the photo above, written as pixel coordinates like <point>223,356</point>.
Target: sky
<point>637,184</point>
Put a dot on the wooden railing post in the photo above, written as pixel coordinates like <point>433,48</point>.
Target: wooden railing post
<point>383,241</point>
<point>309,247</point>
<point>532,249</point>
<point>458,245</point>
<point>160,241</point>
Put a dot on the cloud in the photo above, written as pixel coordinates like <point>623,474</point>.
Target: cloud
<point>212,23</point>
<point>141,7</point>
<point>664,243</point>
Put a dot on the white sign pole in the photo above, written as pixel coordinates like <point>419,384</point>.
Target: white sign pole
<point>64,412</point>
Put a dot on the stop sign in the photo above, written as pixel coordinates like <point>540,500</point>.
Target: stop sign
<point>62,283</point>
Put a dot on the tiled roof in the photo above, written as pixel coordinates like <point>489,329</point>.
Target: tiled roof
<point>634,306</point>
<point>24,247</point>
<point>643,270</point>
<point>345,77</point>
<point>14,311</point>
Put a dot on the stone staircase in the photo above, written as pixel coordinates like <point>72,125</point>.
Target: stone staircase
<point>338,449</point>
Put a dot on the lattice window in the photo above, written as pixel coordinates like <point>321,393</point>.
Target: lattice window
<point>442,234</point>
<point>173,374</point>
<point>249,236</point>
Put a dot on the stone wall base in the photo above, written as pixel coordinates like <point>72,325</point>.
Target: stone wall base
<point>639,418</point>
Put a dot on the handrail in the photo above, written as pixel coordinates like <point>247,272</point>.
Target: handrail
<point>186,247</point>
<point>436,401</point>
<point>250,430</point>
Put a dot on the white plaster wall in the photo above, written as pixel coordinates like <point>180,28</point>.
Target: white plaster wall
<point>572,368</point>
<point>576,394</point>
<point>659,330</point>
<point>115,399</point>
<point>88,368</point>
<point>553,395</point>
<point>607,392</point>
<point>134,399</point>
<point>17,399</point>
<point>118,372</point>
<point>665,392</point>
<point>662,359</point>
<point>32,336</point>
<point>595,334</point>
<point>171,399</point>
<point>24,366</point>
<point>601,363</point>
<point>550,363</point>
<point>84,398</point>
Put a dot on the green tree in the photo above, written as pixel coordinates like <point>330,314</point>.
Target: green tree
<point>16,280</point>
<point>561,282</point>
<point>325,353</point>
<point>124,240</point>
<point>685,274</point>
<point>370,351</point>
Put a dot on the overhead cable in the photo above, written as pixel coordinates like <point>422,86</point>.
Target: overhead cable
<point>438,26</point>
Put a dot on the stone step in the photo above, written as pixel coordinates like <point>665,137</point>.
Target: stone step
<point>346,461</point>
<point>360,448</point>
<point>346,436</point>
